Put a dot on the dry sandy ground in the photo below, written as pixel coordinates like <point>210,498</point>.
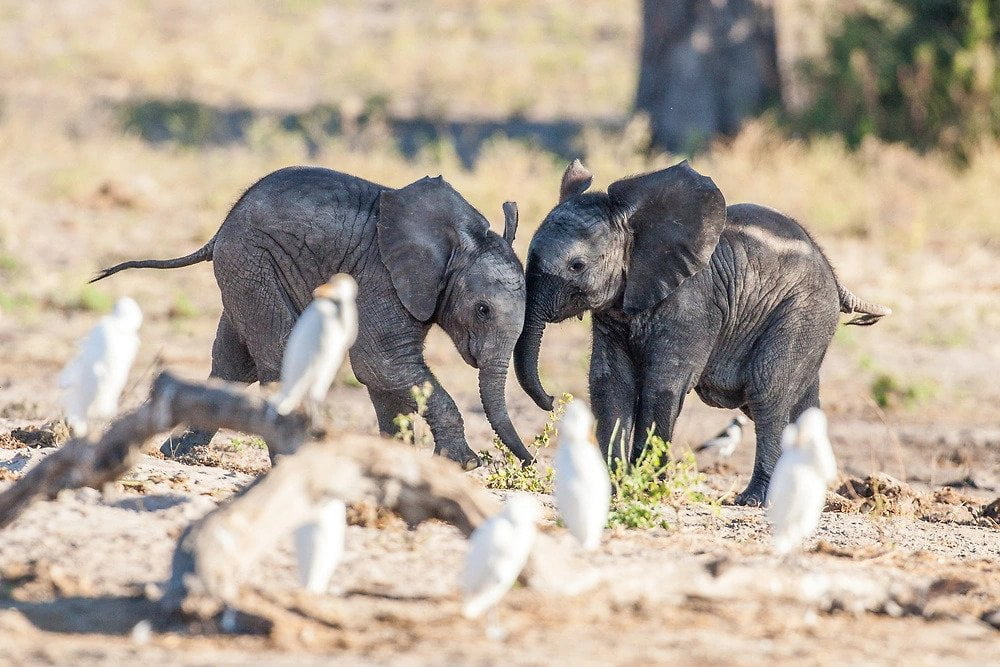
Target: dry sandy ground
<point>908,583</point>
<point>905,583</point>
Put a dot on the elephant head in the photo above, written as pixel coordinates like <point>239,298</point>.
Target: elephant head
<point>628,249</point>
<point>449,268</point>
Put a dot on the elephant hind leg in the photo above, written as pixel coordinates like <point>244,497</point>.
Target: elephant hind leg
<point>783,381</point>
<point>770,420</point>
<point>809,399</point>
<point>231,358</point>
<point>231,361</point>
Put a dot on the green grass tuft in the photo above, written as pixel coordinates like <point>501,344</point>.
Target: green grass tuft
<point>410,431</point>
<point>182,308</point>
<point>659,478</point>
<point>889,391</point>
<point>91,300</point>
<point>238,444</point>
<point>508,473</point>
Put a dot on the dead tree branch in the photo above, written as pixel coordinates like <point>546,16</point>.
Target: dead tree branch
<point>82,462</point>
<point>213,555</point>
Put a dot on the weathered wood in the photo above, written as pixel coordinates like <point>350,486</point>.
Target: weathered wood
<point>82,462</point>
<point>213,556</point>
<point>214,553</point>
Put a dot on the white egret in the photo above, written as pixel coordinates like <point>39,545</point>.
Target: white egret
<point>319,545</point>
<point>498,551</point>
<point>727,440</point>
<point>92,382</point>
<point>797,492</point>
<point>583,488</point>
<point>315,350</point>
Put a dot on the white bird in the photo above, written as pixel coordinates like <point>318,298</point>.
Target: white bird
<point>315,350</point>
<point>319,545</point>
<point>92,382</point>
<point>583,488</point>
<point>498,551</point>
<point>727,440</point>
<point>797,492</point>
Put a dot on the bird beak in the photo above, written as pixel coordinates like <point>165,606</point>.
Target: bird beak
<point>325,291</point>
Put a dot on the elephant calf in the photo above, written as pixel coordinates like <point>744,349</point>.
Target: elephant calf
<point>737,303</point>
<point>420,255</point>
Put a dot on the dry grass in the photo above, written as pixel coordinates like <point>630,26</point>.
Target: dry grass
<point>435,57</point>
<point>80,192</point>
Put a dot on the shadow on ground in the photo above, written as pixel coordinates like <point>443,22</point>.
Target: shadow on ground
<point>193,123</point>
<point>109,615</point>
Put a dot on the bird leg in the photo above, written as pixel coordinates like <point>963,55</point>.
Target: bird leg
<point>494,628</point>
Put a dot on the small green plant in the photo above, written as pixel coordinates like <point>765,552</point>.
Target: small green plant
<point>505,471</point>
<point>238,444</point>
<point>889,392</point>
<point>182,308</point>
<point>658,478</point>
<point>92,300</point>
<point>18,302</point>
<point>350,379</point>
<point>409,431</point>
<point>10,265</point>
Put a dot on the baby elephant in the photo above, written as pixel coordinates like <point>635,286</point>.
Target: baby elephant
<point>420,255</point>
<point>737,303</point>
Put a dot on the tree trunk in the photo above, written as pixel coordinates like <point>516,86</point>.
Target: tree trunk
<point>705,66</point>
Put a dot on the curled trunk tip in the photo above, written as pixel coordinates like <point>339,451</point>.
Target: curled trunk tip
<point>526,362</point>
<point>492,381</point>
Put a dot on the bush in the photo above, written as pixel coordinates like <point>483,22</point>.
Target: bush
<point>658,478</point>
<point>505,471</point>
<point>921,72</point>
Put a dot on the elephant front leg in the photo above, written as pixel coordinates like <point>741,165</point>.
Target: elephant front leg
<point>612,394</point>
<point>660,403</point>
<point>391,394</point>
<point>668,373</point>
<point>446,424</point>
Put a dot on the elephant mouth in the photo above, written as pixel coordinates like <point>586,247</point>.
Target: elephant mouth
<point>466,350</point>
<point>573,306</point>
<point>566,300</point>
<point>562,317</point>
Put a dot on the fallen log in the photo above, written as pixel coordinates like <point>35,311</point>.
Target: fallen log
<point>82,462</point>
<point>214,554</point>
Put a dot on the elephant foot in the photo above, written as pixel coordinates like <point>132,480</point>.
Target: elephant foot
<point>753,496</point>
<point>181,446</point>
<point>467,459</point>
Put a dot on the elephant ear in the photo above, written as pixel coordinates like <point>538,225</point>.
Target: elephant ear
<point>418,229</point>
<point>676,216</point>
<point>575,181</point>
<point>509,221</point>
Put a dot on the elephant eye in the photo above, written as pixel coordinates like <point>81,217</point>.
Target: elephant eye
<point>483,310</point>
<point>577,265</point>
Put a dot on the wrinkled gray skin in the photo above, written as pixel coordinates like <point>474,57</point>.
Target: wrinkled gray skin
<point>736,303</point>
<point>421,255</point>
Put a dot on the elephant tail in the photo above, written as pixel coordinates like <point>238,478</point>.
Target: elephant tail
<point>202,254</point>
<point>870,313</point>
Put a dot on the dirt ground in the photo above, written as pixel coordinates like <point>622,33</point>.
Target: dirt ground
<point>127,131</point>
<point>910,580</point>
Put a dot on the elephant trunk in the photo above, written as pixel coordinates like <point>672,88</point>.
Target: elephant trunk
<point>492,380</point>
<point>526,357</point>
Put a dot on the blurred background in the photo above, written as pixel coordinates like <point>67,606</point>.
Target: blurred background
<point>128,128</point>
